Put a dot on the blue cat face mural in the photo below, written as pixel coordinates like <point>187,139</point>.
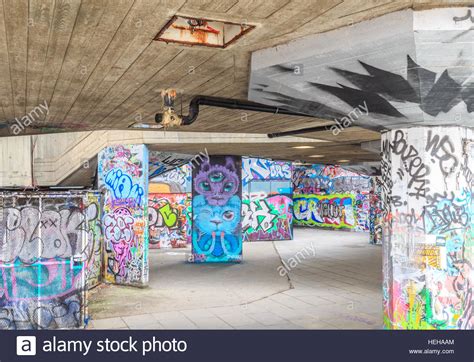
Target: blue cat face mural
<point>217,202</point>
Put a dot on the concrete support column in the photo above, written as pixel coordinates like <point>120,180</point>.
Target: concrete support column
<point>123,177</point>
<point>15,162</point>
<point>217,204</point>
<point>428,243</point>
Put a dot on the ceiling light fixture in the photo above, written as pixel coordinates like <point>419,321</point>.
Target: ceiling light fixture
<point>316,156</point>
<point>146,125</point>
<point>302,147</point>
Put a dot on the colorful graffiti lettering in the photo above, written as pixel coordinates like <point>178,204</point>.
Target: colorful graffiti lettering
<point>37,233</point>
<point>268,218</point>
<point>446,213</point>
<point>336,211</point>
<point>267,204</point>
<point>123,187</point>
<point>263,169</point>
<point>217,201</point>
<point>118,231</point>
<point>332,180</point>
<point>169,220</point>
<point>327,179</point>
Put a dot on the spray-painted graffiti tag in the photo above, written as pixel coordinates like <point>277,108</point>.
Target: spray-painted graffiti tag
<point>122,186</point>
<point>334,211</point>
<point>263,169</point>
<point>268,218</point>
<point>169,221</point>
<point>332,181</point>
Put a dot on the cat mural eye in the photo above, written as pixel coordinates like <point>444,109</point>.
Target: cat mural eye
<point>206,186</point>
<point>228,186</point>
<point>216,176</point>
<point>228,215</point>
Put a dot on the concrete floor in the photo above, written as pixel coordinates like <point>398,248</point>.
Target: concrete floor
<point>334,282</point>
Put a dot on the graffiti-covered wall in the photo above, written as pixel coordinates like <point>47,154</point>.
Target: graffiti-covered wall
<point>427,179</point>
<point>49,257</point>
<point>327,179</point>
<point>335,211</point>
<point>163,162</point>
<point>123,176</point>
<point>263,169</point>
<point>177,180</point>
<point>267,217</point>
<point>95,239</point>
<point>169,220</point>
<point>170,208</point>
<point>267,205</point>
<point>329,196</point>
<point>217,204</point>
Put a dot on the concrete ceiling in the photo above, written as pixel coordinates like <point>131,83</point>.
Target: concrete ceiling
<point>96,65</point>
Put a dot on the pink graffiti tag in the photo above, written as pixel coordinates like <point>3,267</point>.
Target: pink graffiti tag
<point>118,230</point>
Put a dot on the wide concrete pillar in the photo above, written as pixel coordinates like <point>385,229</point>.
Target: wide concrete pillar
<point>428,243</point>
<point>123,177</point>
<point>217,204</point>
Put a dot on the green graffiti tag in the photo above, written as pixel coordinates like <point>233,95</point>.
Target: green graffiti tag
<point>170,217</point>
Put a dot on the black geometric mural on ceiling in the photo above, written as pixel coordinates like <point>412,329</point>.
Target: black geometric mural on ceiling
<point>421,87</point>
<point>300,105</point>
<point>379,88</point>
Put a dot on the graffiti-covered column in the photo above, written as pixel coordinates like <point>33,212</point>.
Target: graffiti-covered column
<point>375,214</point>
<point>217,203</point>
<point>428,245</point>
<point>123,176</point>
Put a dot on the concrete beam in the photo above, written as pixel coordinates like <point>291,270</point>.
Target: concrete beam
<point>57,156</point>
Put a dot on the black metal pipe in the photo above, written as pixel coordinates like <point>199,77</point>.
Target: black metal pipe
<point>229,103</point>
<point>301,131</point>
<point>328,127</point>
